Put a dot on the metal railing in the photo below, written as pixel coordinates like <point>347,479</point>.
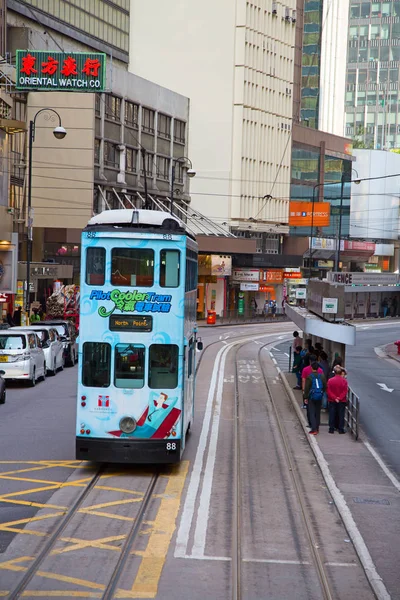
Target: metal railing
<point>352,414</point>
<point>249,316</point>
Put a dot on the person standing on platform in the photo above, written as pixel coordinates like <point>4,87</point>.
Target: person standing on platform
<point>313,393</point>
<point>297,340</point>
<point>337,397</point>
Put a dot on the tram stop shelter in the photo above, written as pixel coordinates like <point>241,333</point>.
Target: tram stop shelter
<point>334,336</point>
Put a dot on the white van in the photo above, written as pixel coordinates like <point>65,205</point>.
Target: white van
<point>52,347</point>
<point>21,355</point>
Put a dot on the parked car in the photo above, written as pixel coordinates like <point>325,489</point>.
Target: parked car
<point>21,355</point>
<point>66,330</point>
<point>2,388</point>
<point>52,347</point>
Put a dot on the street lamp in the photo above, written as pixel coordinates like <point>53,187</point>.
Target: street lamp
<point>342,182</point>
<point>190,173</point>
<point>59,132</point>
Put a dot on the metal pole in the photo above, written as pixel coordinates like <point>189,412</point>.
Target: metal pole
<point>312,228</point>
<point>340,222</point>
<point>146,199</point>
<point>172,186</point>
<point>29,232</point>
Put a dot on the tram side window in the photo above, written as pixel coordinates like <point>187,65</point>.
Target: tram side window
<point>169,268</point>
<point>96,363</point>
<point>163,366</point>
<point>190,357</point>
<point>132,267</point>
<point>129,366</point>
<point>95,266</point>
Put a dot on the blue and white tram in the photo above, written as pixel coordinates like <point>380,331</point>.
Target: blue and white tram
<point>137,338</point>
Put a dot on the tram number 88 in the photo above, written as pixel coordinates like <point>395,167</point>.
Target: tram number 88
<point>171,446</point>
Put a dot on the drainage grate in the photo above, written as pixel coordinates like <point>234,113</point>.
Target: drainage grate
<point>371,501</point>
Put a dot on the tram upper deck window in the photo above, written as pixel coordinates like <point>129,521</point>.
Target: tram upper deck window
<point>169,268</point>
<point>96,363</point>
<point>129,366</point>
<point>132,267</point>
<point>95,266</point>
<point>163,366</point>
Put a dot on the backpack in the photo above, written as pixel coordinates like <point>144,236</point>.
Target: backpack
<point>316,391</point>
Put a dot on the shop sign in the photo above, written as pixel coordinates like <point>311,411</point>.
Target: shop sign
<point>301,294</point>
<point>8,267</point>
<point>298,282</point>
<point>372,268</point>
<point>60,71</point>
<point>246,274</point>
<point>325,264</point>
<point>360,246</point>
<point>364,278</point>
<point>275,276</point>
<point>301,214</point>
<point>330,305</point>
<point>292,275</point>
<point>249,287</point>
<point>325,244</point>
<point>221,265</point>
<point>3,297</point>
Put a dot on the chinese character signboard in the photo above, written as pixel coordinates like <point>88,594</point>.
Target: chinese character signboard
<point>300,214</point>
<point>61,71</point>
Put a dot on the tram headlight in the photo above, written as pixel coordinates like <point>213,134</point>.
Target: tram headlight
<point>127,424</point>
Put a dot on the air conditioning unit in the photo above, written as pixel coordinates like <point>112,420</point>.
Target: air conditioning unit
<point>258,250</point>
<point>121,147</point>
<point>293,16</point>
<point>287,14</point>
<point>274,8</point>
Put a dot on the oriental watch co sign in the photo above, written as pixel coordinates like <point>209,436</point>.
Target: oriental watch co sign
<point>60,71</point>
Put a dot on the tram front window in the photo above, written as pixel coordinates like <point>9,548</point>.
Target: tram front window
<point>169,268</point>
<point>129,366</point>
<point>96,361</point>
<point>132,267</point>
<point>95,266</point>
<point>163,366</point>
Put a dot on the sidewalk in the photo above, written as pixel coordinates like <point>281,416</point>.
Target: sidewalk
<point>391,351</point>
<point>365,493</point>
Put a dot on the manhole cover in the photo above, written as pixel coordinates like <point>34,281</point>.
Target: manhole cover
<point>371,501</point>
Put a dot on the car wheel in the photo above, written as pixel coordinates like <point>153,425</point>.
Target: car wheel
<point>53,371</point>
<point>62,365</point>
<point>3,398</point>
<point>32,381</point>
<point>43,377</point>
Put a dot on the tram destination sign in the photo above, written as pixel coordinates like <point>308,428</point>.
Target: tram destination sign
<point>130,323</point>
<point>60,71</point>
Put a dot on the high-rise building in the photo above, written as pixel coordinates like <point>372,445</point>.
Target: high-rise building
<point>234,60</point>
<point>372,85</point>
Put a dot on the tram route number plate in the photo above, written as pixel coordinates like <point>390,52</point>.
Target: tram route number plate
<point>130,323</point>
<point>171,446</point>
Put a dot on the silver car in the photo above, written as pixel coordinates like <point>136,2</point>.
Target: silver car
<point>21,355</point>
<point>52,347</point>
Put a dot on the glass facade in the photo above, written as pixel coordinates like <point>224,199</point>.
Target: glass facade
<point>372,83</point>
<point>305,175</point>
<point>105,20</point>
<point>311,62</point>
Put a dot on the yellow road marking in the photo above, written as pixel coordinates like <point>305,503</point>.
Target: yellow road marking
<point>113,503</point>
<point>60,594</point>
<point>10,565</point>
<point>10,526</point>
<point>36,504</point>
<point>152,563</point>
<point>103,544</point>
<point>114,489</point>
<point>107,515</point>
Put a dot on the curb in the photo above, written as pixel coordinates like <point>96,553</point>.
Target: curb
<point>364,556</point>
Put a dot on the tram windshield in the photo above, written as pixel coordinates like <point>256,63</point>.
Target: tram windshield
<point>132,266</point>
<point>129,366</point>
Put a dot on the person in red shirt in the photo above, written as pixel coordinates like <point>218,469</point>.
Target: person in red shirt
<point>337,398</point>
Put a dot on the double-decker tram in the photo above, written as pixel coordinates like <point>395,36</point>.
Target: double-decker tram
<point>137,337</point>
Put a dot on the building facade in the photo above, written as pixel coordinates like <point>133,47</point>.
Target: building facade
<point>239,83</point>
<point>372,81</point>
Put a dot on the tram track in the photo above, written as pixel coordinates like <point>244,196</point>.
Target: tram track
<point>291,471</point>
<point>110,587</point>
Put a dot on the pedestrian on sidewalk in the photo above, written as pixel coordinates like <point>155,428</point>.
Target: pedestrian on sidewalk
<point>337,398</point>
<point>314,391</point>
<point>308,360</point>
<point>297,366</point>
<point>297,340</point>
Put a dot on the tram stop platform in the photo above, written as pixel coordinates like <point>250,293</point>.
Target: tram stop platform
<point>365,493</point>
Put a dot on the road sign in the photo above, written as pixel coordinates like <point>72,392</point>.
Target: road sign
<point>330,305</point>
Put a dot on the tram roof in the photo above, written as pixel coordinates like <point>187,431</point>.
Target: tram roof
<point>132,217</point>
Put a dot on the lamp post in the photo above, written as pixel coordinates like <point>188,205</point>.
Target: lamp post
<point>59,132</point>
<point>317,185</point>
<point>190,173</point>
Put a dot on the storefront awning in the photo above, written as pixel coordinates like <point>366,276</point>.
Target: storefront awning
<point>320,254</point>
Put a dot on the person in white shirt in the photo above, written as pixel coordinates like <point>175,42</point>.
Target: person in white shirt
<point>297,340</point>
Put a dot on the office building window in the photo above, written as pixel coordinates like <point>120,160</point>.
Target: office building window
<point>148,120</point>
<point>179,131</point>
<point>164,126</point>
<point>163,167</point>
<point>131,114</point>
<point>131,160</point>
<point>111,155</point>
<point>149,159</point>
<point>97,104</point>
<point>113,107</point>
<point>97,151</point>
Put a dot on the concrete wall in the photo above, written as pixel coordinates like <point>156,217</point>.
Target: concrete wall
<point>62,181</point>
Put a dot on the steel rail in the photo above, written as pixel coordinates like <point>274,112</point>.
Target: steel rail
<point>130,540</point>
<point>236,570</point>
<point>48,546</point>
<point>321,571</point>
